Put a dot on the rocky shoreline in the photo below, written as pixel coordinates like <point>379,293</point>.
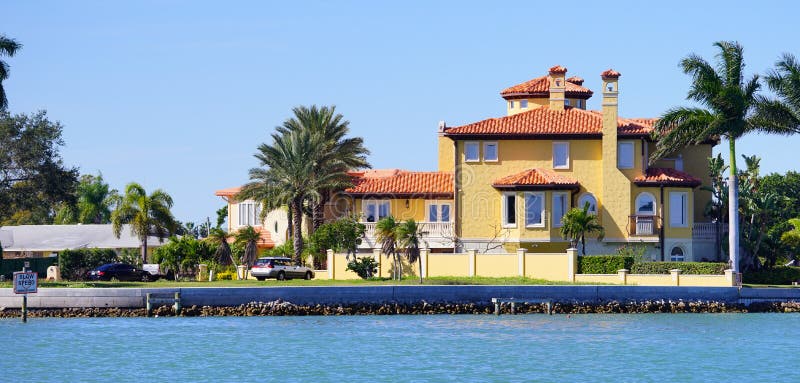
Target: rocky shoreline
<point>283,308</point>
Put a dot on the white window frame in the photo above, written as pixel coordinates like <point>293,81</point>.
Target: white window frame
<point>496,151</point>
<point>477,149</point>
<point>674,258</point>
<point>542,211</point>
<point>565,208</point>
<point>438,205</point>
<point>581,202</point>
<point>523,104</point>
<point>566,160</point>
<point>377,203</point>
<point>638,198</point>
<point>620,163</point>
<point>249,212</point>
<point>504,212</point>
<point>511,104</point>
<point>684,213</point>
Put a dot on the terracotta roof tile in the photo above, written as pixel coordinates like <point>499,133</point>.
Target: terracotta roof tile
<point>575,80</point>
<point>265,240</point>
<point>538,177</point>
<point>610,73</point>
<point>558,69</point>
<point>406,183</point>
<point>540,87</point>
<point>666,176</point>
<point>545,122</point>
<point>229,192</point>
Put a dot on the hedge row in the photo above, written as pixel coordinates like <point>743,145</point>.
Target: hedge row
<point>39,265</point>
<point>603,264</point>
<point>778,275</point>
<point>717,268</point>
<point>610,264</point>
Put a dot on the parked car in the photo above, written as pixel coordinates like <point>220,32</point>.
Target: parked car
<point>279,268</point>
<point>120,271</point>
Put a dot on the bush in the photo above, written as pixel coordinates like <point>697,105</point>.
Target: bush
<point>365,267</point>
<point>693,268</point>
<point>603,264</point>
<point>75,263</point>
<point>225,276</point>
<point>779,275</point>
<point>39,265</point>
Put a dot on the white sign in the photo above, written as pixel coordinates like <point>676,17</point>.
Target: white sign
<point>26,282</point>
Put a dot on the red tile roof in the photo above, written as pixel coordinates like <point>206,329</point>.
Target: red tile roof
<point>666,177</point>
<point>264,241</point>
<point>540,87</point>
<point>544,122</point>
<point>575,80</point>
<point>558,69</point>
<point>610,73</point>
<point>229,192</point>
<point>405,183</point>
<point>536,179</point>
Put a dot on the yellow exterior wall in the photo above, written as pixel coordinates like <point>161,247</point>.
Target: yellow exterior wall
<point>497,265</point>
<point>448,265</point>
<point>446,154</point>
<point>695,162</point>
<point>552,267</point>
<point>705,280</point>
<point>650,280</point>
<point>611,279</point>
<point>397,207</point>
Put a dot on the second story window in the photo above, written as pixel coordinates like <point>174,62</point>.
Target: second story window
<point>534,209</point>
<point>509,210</point>
<point>374,210</point>
<point>560,207</point>
<point>523,104</point>
<point>678,209</point>
<point>561,155</point>
<point>438,211</point>
<point>471,152</point>
<point>625,155</point>
<point>249,214</point>
<point>490,151</point>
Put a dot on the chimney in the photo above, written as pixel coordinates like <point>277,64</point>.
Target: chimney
<point>557,87</point>
<point>616,195</point>
<point>610,109</point>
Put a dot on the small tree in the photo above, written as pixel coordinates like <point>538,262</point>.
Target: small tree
<point>408,239</point>
<point>248,236</point>
<point>579,222</point>
<point>222,254</point>
<point>146,214</point>
<point>386,231</point>
<point>791,238</point>
<point>344,234</point>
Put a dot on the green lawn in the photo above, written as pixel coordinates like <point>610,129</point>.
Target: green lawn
<point>313,282</point>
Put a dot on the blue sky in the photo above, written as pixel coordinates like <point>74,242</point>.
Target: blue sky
<point>177,94</point>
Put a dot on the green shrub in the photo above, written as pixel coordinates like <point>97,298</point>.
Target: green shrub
<point>225,276</point>
<point>39,265</point>
<point>75,263</point>
<point>365,267</point>
<point>603,264</point>
<point>778,275</point>
<point>693,268</point>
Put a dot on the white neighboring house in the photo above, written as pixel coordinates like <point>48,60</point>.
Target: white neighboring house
<point>36,241</point>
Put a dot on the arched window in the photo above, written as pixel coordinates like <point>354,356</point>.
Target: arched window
<point>645,204</point>
<point>676,255</point>
<point>588,198</point>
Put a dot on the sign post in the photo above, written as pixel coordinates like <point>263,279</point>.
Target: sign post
<point>25,282</point>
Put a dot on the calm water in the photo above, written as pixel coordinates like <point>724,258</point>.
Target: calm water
<point>522,348</point>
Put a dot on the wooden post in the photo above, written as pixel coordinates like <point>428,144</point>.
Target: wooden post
<point>148,305</point>
<point>178,305</point>
<point>24,308</point>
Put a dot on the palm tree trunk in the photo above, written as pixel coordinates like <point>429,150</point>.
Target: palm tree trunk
<point>319,211</point>
<point>144,250</point>
<point>290,220</point>
<point>297,231</point>
<point>419,259</point>
<point>399,267</point>
<point>733,210</point>
<point>583,244</point>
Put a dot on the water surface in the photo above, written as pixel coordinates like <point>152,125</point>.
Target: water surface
<point>438,348</point>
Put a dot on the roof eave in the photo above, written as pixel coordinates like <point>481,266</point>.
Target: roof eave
<point>537,187</point>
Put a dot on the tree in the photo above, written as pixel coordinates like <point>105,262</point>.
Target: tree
<point>33,178</point>
<point>730,103</point>
<point>222,215</point>
<point>337,153</point>
<point>784,80</point>
<point>344,234</point>
<point>757,211</point>
<point>222,254</point>
<point>790,238</point>
<point>577,223</point>
<point>182,254</point>
<point>248,238</point>
<point>146,214</point>
<point>94,201</point>
<point>408,238</point>
<point>8,48</point>
<point>386,232</point>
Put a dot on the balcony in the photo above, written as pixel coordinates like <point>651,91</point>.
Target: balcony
<point>707,230</point>
<point>433,234</point>
<point>644,225</point>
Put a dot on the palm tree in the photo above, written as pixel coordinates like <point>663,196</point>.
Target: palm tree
<point>729,102</point>
<point>784,80</point>
<point>386,233</point>
<point>337,154</point>
<point>219,237</point>
<point>8,47</point>
<point>95,200</point>
<point>248,236</point>
<point>577,223</point>
<point>408,239</point>
<point>146,214</point>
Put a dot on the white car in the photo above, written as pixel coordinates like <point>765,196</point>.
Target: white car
<point>279,268</point>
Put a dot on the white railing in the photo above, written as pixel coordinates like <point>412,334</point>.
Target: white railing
<point>706,230</point>
<point>427,229</point>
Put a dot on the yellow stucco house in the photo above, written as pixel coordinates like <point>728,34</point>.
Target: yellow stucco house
<point>505,183</point>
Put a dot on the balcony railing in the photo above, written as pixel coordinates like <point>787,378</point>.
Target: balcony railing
<point>707,230</point>
<point>644,225</point>
<point>427,229</point>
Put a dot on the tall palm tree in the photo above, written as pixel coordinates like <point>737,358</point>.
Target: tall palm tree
<point>146,214</point>
<point>95,200</point>
<point>222,254</point>
<point>337,153</point>
<point>408,240</point>
<point>577,223</point>
<point>8,47</point>
<point>784,80</point>
<point>386,233</point>
<point>730,101</point>
<point>248,236</point>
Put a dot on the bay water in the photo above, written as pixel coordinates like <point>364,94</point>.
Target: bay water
<point>434,348</point>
